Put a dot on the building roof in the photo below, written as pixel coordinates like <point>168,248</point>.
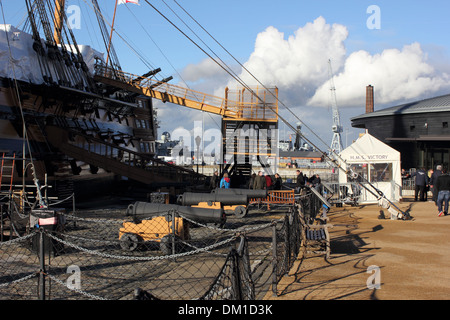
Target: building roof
<point>437,104</point>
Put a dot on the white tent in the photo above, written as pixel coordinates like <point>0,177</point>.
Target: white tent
<point>377,163</point>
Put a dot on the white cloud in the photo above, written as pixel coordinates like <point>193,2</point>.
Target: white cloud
<point>297,65</point>
<point>397,75</point>
<point>205,70</point>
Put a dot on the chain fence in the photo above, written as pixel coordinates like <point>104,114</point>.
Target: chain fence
<point>112,255</point>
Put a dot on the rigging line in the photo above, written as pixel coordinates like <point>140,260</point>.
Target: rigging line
<point>170,22</point>
<point>25,132</point>
<point>111,34</point>
<point>198,37</point>
<point>68,44</point>
<point>190,39</point>
<point>229,70</point>
<point>101,26</point>
<point>332,160</point>
<point>223,66</point>
<point>215,40</point>
<point>153,41</point>
<point>149,65</point>
<point>105,35</point>
<point>86,13</point>
<point>212,39</point>
<point>240,64</point>
<point>63,73</point>
<point>379,193</point>
<point>23,19</point>
<point>252,75</point>
<point>100,14</point>
<point>167,59</point>
<point>237,79</point>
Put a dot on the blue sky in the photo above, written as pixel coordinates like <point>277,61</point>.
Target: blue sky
<point>406,59</point>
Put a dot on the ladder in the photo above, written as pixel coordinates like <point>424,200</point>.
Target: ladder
<point>7,171</point>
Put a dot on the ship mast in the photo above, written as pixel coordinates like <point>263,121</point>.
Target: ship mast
<point>110,35</point>
<point>58,22</point>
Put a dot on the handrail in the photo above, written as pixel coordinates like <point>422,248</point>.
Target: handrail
<point>251,110</point>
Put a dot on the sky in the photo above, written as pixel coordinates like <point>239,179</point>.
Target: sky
<point>400,47</point>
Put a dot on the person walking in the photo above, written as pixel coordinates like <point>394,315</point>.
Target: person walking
<point>214,182</point>
<point>433,181</point>
<point>443,189</point>
<point>259,182</point>
<point>420,184</point>
<point>300,183</point>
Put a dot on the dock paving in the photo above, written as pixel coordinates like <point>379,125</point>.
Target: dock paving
<point>412,257</point>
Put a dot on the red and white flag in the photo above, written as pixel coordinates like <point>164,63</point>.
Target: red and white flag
<point>128,1</point>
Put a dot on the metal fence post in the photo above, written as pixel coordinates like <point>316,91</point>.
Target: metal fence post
<point>173,243</point>
<point>236,279</point>
<point>274,259</point>
<point>287,244</point>
<point>42,264</point>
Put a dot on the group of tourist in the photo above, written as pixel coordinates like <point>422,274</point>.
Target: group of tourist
<point>262,181</point>
<point>303,181</point>
<point>438,182</point>
<point>217,182</point>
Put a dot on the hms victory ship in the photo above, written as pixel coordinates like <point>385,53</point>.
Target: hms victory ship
<point>60,122</point>
<point>70,113</point>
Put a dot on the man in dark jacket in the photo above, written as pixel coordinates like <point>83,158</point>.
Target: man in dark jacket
<point>259,182</point>
<point>214,182</point>
<point>278,182</point>
<point>300,181</point>
<point>422,182</point>
<point>443,189</point>
<point>316,182</point>
<point>433,181</point>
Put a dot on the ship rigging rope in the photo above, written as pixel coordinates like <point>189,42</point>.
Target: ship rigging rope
<point>168,61</point>
<point>25,132</point>
<point>101,16</point>
<point>225,66</point>
<point>122,37</point>
<point>378,193</point>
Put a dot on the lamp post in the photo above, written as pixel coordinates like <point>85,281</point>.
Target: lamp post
<point>197,142</point>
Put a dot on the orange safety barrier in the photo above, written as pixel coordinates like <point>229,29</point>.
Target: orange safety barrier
<point>275,197</point>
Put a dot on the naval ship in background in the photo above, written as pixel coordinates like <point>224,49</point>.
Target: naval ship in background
<point>61,124</point>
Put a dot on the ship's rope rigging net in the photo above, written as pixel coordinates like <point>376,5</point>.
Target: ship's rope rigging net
<point>213,55</point>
